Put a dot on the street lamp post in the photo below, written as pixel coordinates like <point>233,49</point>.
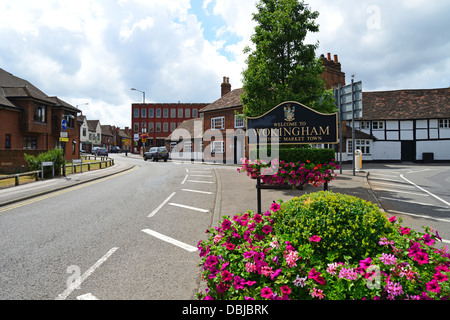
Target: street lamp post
<point>143,98</point>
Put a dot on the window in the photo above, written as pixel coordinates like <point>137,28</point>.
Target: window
<point>378,125</point>
<point>166,113</point>
<point>238,120</point>
<point>217,147</point>
<point>180,113</point>
<point>84,132</point>
<point>136,113</point>
<point>158,113</point>
<point>151,127</point>
<point>144,113</point>
<point>365,125</point>
<point>29,142</point>
<point>39,114</point>
<point>363,145</point>
<point>173,113</point>
<point>187,146</point>
<point>151,113</point>
<point>218,123</point>
<point>187,113</point>
<point>165,127</point>
<point>158,127</point>
<point>444,123</point>
<point>135,129</point>
<point>8,141</point>
<point>173,126</point>
<point>194,113</point>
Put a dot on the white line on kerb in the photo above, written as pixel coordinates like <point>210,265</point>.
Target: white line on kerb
<point>197,191</point>
<point>419,187</point>
<point>188,207</point>
<point>161,205</point>
<point>170,240</point>
<point>79,281</point>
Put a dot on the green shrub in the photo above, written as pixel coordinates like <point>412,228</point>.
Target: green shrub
<point>348,226</point>
<point>55,155</point>
<point>300,154</point>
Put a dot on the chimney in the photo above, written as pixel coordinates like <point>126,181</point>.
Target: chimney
<point>225,86</point>
<point>329,56</point>
<point>336,58</point>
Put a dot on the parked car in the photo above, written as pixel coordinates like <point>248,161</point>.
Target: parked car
<point>102,152</point>
<point>94,150</point>
<point>157,153</point>
<point>116,150</point>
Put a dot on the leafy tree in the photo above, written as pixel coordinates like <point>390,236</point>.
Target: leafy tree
<point>281,67</point>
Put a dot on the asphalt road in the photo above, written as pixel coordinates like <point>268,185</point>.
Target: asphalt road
<point>131,236</point>
<point>419,194</point>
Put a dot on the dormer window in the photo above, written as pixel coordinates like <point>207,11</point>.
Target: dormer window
<point>39,114</point>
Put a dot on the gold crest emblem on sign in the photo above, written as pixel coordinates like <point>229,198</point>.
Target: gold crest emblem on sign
<point>289,113</point>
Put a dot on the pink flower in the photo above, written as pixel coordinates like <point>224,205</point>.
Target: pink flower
<point>315,238</point>
<point>267,229</point>
<point>388,259</point>
<point>227,275</point>
<point>365,263</point>
<point>275,207</point>
<point>433,286</point>
<point>257,218</point>
<point>317,293</point>
<point>230,246</point>
<point>226,224</point>
<point>285,289</point>
<point>313,274</point>
<point>266,293</point>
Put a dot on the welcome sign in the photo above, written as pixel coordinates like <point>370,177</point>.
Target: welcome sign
<point>293,123</point>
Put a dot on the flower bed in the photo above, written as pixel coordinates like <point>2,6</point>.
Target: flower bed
<point>279,172</point>
<point>245,257</point>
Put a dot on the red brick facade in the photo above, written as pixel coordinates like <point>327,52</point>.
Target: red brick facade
<point>30,122</point>
<point>156,121</point>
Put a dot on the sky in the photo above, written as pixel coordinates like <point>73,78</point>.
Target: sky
<point>90,53</point>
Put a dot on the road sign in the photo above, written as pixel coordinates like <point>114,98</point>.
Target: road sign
<point>64,139</point>
<point>64,134</point>
<point>350,99</point>
<point>64,124</point>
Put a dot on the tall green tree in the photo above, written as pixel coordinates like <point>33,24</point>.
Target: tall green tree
<point>281,67</point>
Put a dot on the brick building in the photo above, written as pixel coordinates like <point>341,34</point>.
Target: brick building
<point>152,123</point>
<point>30,122</point>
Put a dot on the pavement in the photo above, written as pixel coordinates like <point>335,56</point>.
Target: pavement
<point>236,192</point>
<point>36,189</point>
<point>239,193</point>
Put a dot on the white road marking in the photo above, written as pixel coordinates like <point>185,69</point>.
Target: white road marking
<point>180,244</point>
<point>201,175</point>
<point>431,194</point>
<point>79,281</point>
<point>188,207</point>
<point>200,181</point>
<point>402,191</point>
<point>87,296</point>
<point>414,202</point>
<point>185,178</point>
<point>418,215</point>
<point>391,184</point>
<point>197,191</point>
<point>161,205</point>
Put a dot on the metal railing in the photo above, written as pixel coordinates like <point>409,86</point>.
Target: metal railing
<point>77,163</point>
